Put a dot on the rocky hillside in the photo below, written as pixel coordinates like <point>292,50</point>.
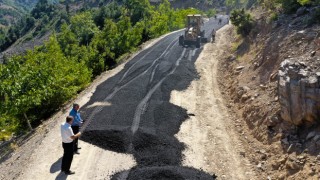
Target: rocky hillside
<point>272,84</point>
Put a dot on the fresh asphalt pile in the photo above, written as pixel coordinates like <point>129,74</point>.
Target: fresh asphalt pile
<point>140,119</point>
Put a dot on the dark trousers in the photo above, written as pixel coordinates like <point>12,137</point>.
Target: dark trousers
<point>75,130</point>
<point>67,156</point>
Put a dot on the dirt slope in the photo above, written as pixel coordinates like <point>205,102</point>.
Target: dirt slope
<point>249,79</point>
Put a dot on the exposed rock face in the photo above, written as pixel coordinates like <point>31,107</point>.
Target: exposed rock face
<point>299,92</point>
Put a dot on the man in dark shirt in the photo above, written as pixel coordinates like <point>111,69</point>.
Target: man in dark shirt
<point>77,122</point>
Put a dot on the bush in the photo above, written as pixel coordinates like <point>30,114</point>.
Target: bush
<point>274,16</point>
<point>290,6</point>
<point>211,12</point>
<point>242,21</point>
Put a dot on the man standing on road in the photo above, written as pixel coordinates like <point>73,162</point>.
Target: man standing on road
<point>67,144</point>
<point>77,121</point>
<point>213,35</point>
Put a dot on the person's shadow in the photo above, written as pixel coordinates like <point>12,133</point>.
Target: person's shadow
<point>61,176</point>
<point>56,166</point>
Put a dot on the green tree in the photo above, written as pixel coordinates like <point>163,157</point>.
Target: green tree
<point>67,39</point>
<point>242,21</point>
<point>104,43</point>
<point>83,26</point>
<point>40,82</point>
<point>211,12</point>
<point>138,9</point>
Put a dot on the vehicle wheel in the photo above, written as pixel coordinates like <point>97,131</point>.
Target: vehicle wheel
<point>202,33</point>
<point>198,43</point>
<point>181,40</point>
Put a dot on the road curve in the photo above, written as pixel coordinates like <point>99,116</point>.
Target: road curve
<point>140,120</point>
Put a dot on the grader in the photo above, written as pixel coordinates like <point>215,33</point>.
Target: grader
<point>193,35</point>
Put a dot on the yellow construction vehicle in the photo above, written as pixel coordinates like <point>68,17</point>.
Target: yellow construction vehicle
<point>193,35</point>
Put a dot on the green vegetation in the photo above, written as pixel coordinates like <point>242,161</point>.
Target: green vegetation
<point>277,7</point>
<point>34,85</point>
<point>211,12</point>
<point>242,21</point>
<point>12,11</point>
<point>43,17</point>
<point>290,6</point>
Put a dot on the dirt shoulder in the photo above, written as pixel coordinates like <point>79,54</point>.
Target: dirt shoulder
<point>211,132</point>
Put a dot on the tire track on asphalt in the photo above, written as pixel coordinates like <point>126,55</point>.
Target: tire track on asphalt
<point>142,105</point>
<point>153,72</point>
<point>126,73</point>
<point>118,88</point>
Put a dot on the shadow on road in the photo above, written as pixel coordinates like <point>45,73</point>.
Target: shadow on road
<point>56,166</point>
<point>61,176</point>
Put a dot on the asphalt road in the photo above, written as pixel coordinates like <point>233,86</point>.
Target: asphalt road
<point>134,114</point>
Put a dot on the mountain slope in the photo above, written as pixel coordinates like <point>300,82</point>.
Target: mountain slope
<point>12,10</point>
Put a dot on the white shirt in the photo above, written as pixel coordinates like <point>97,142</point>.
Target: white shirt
<point>66,132</point>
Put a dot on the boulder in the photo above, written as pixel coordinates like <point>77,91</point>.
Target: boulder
<point>299,92</point>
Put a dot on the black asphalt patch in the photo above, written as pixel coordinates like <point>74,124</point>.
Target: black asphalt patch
<point>140,119</point>
<point>166,173</point>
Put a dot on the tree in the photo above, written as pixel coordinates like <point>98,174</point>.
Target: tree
<point>83,26</point>
<point>242,21</point>
<point>138,9</point>
<point>39,82</point>
<point>67,39</point>
<point>104,43</point>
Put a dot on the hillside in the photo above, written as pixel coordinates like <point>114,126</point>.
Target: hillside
<point>10,12</point>
<point>257,87</point>
<point>31,29</point>
<point>13,10</point>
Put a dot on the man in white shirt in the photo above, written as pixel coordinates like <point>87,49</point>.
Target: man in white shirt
<point>67,144</point>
